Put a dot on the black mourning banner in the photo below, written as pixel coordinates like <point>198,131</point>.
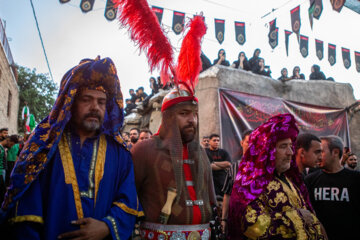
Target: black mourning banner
<point>178,22</point>
<point>319,45</point>
<point>304,45</point>
<point>158,12</point>
<point>295,20</point>
<point>64,1</point>
<point>337,4</point>
<point>332,54</point>
<point>357,61</point>
<point>311,12</point>
<point>219,30</point>
<point>110,10</point>
<point>86,5</point>
<point>240,32</point>
<point>346,57</point>
<point>318,9</point>
<point>272,33</point>
<point>274,41</point>
<point>287,35</point>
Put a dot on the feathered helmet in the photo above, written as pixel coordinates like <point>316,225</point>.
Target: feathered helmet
<point>151,39</point>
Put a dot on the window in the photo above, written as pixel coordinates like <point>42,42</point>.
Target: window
<point>9,104</point>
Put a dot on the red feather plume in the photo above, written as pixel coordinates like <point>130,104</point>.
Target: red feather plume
<point>189,62</point>
<point>145,30</point>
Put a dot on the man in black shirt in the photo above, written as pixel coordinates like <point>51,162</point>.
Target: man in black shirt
<point>335,192</point>
<point>219,162</point>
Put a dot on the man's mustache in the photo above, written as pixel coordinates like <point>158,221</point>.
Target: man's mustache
<point>94,115</point>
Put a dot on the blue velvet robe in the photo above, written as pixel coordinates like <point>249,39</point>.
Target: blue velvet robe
<point>47,208</point>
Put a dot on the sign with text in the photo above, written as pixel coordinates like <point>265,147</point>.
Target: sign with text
<point>242,111</point>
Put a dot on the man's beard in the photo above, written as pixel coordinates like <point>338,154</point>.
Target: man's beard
<point>133,140</point>
<point>91,125</point>
<point>353,166</point>
<point>187,135</point>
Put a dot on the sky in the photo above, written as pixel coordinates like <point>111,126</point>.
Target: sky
<point>70,35</point>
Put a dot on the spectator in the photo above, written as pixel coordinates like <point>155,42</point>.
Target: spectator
<point>132,95</point>
<point>219,161</point>
<point>221,60</point>
<point>126,137</point>
<point>230,178</point>
<point>205,62</point>
<point>12,154</point>
<point>3,133</point>
<point>260,67</point>
<point>253,60</point>
<point>308,152</point>
<point>159,83</point>
<point>242,62</point>
<point>134,135</point>
<point>169,85</point>
<point>144,134</point>
<point>284,75</point>
<point>335,192</point>
<point>316,74</point>
<point>205,142</point>
<point>154,90</point>
<point>297,74</point>
<point>7,142</point>
<point>129,106</point>
<point>154,86</point>
<point>351,161</point>
<point>331,79</point>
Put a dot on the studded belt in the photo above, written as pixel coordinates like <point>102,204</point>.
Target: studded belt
<point>158,231</point>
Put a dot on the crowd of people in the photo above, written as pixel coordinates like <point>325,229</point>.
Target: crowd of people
<point>140,96</point>
<point>256,64</point>
<point>79,170</point>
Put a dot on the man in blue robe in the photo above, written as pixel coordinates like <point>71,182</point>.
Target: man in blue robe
<point>74,178</point>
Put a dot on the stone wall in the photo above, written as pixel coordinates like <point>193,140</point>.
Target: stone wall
<point>321,93</point>
<point>9,95</point>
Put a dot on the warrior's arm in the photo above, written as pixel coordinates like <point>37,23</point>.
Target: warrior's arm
<point>126,206</point>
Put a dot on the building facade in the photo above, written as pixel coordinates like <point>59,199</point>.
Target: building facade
<point>9,90</point>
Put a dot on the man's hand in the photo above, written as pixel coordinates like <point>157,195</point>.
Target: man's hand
<point>90,229</point>
<point>307,216</point>
<point>220,165</point>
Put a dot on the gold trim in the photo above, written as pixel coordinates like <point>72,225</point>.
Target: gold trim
<point>27,218</point>
<point>298,224</point>
<point>100,163</point>
<point>292,194</point>
<point>69,172</point>
<point>129,210</point>
<point>259,228</point>
<point>114,226</point>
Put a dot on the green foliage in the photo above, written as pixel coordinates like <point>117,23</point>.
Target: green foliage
<point>38,91</point>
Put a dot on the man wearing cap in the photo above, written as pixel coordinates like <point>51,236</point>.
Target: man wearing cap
<point>74,177</point>
<point>269,199</point>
